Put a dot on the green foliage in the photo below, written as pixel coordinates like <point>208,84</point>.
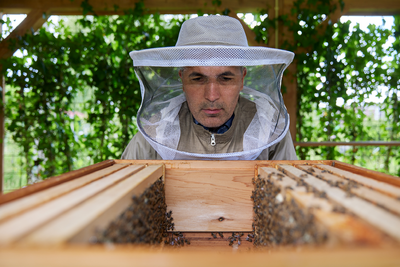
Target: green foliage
<point>59,67</point>
<point>73,95</point>
<point>338,69</point>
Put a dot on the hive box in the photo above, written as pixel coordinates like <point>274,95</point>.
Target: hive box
<point>52,223</point>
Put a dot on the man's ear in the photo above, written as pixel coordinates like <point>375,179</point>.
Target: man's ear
<point>244,75</point>
<point>181,76</point>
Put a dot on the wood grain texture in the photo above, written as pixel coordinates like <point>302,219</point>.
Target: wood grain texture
<point>17,206</point>
<point>379,218</point>
<point>379,176</point>
<point>30,189</point>
<point>366,193</point>
<point>128,256</point>
<point>343,228</point>
<point>391,190</point>
<point>15,228</point>
<point>199,198</point>
<point>80,223</point>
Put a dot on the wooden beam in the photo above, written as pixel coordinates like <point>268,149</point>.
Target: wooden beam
<point>106,7</point>
<point>15,207</point>
<point>355,143</point>
<point>33,21</point>
<point>2,118</point>
<point>92,216</point>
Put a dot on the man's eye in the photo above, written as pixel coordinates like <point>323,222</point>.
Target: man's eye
<point>226,78</point>
<point>197,79</point>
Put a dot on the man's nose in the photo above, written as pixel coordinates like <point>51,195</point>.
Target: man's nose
<point>212,92</point>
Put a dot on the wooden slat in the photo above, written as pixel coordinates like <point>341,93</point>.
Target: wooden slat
<point>364,192</point>
<point>380,186</point>
<point>128,256</point>
<point>383,177</point>
<point>54,181</point>
<point>198,198</point>
<point>14,228</point>
<point>15,207</point>
<point>79,224</point>
<point>343,228</point>
<point>383,220</point>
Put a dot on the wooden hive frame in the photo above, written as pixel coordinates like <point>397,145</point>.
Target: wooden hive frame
<point>62,213</point>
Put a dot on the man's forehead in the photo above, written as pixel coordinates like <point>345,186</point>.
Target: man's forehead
<point>213,70</point>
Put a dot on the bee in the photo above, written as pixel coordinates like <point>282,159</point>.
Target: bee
<point>303,175</point>
<point>214,235</point>
<point>220,234</point>
<point>221,219</point>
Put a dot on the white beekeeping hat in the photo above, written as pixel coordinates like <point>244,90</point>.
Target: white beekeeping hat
<point>210,41</point>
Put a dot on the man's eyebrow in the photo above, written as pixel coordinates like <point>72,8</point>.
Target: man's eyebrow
<point>227,73</point>
<point>195,74</point>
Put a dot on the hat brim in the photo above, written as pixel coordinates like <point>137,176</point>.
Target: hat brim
<point>210,55</point>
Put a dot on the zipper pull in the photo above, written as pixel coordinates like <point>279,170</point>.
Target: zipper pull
<point>213,140</point>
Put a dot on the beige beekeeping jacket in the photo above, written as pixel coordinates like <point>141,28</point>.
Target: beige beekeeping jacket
<point>195,139</point>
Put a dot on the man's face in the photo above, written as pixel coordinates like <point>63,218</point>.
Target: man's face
<point>212,92</point>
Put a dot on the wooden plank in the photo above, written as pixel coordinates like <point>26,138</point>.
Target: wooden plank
<point>17,206</point>
<point>15,228</point>
<point>374,184</point>
<point>383,220</point>
<point>379,176</point>
<point>80,223</point>
<point>366,193</point>
<point>210,199</point>
<point>106,7</point>
<point>128,256</point>
<point>343,228</point>
<point>54,181</point>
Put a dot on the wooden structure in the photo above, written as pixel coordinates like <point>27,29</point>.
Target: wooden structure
<point>51,223</point>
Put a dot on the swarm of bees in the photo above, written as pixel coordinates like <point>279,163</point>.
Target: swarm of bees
<point>145,221</point>
<point>279,221</point>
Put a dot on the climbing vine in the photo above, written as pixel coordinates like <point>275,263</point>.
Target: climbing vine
<point>73,95</point>
<point>338,69</point>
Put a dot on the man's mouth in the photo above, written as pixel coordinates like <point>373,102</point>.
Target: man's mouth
<point>211,111</point>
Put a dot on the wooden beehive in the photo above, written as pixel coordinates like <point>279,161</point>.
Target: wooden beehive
<point>358,209</point>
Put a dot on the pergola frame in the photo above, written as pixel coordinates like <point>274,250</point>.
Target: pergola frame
<point>39,10</point>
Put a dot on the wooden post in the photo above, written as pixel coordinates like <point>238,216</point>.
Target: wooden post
<point>3,89</point>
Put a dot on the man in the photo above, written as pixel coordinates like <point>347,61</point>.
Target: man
<point>200,102</point>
